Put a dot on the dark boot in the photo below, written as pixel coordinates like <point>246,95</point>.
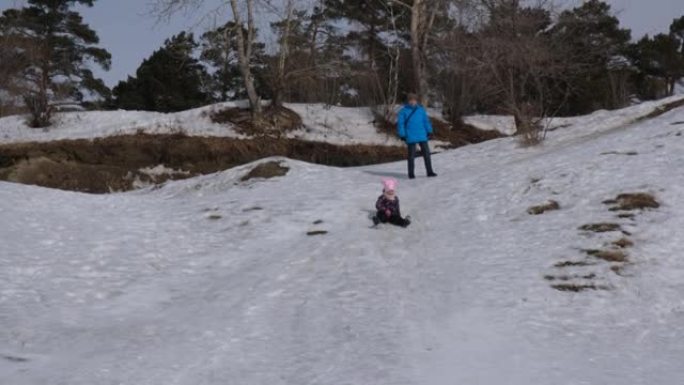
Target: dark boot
<point>407,221</point>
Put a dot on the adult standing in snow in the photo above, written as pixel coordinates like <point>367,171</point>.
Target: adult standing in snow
<point>414,128</point>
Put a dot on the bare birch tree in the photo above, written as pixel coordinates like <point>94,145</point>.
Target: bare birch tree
<point>280,81</point>
<point>423,16</point>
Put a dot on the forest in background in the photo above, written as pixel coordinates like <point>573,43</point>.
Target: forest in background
<point>527,59</point>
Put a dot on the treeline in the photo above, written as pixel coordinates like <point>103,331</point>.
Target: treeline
<point>466,56</point>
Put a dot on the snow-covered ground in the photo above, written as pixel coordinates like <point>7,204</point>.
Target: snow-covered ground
<point>337,125</point>
<point>679,87</point>
<point>215,281</point>
<point>97,124</point>
<point>599,121</point>
<point>322,123</point>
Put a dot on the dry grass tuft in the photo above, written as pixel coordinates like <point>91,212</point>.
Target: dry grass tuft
<point>573,287</point>
<point>275,120</point>
<point>266,170</point>
<point>633,201</point>
<point>316,232</point>
<point>572,264</point>
<point>568,277</point>
<point>623,243</point>
<point>541,209</point>
<point>619,269</point>
<point>601,227</point>
<point>627,153</point>
<point>608,255</point>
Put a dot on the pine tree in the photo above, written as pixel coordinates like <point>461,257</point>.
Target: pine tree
<point>57,48</point>
<point>660,57</point>
<point>12,61</point>
<point>170,80</point>
<point>371,16</point>
<point>596,42</point>
<point>660,60</point>
<point>219,53</point>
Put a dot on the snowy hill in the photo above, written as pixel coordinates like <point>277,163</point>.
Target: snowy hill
<point>321,123</point>
<point>336,125</point>
<point>214,280</point>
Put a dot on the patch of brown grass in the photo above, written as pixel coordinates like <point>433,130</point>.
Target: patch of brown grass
<point>266,170</point>
<point>112,163</point>
<point>601,227</point>
<point>633,201</point>
<point>627,153</point>
<point>626,216</point>
<point>572,264</point>
<point>623,243</point>
<point>619,269</point>
<point>255,208</point>
<point>316,232</point>
<point>608,255</point>
<point>568,277</point>
<point>69,175</point>
<point>541,209</point>
<point>663,109</point>
<point>573,287</point>
<point>275,120</point>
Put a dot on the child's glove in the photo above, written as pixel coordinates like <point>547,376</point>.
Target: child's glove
<point>388,213</point>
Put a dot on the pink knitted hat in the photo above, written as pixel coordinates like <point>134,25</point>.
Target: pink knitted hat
<point>389,184</point>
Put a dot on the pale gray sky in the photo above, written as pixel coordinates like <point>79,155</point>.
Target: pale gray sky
<point>130,33</point>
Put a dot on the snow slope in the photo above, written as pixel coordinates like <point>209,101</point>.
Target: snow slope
<point>322,123</point>
<point>215,281</point>
<point>337,125</point>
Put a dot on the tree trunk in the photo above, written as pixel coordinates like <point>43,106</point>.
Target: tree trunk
<point>244,51</point>
<point>416,16</point>
<point>279,94</point>
<point>421,24</point>
<point>312,44</point>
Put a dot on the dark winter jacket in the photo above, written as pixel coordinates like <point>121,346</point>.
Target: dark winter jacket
<point>413,124</point>
<point>383,205</point>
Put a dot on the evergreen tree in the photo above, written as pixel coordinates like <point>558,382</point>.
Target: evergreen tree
<point>661,57</point>
<point>368,19</point>
<point>170,80</point>
<point>374,29</point>
<point>57,45</point>
<point>595,41</point>
<point>219,54</point>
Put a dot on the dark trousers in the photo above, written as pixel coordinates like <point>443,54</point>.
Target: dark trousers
<point>425,149</point>
<point>394,219</point>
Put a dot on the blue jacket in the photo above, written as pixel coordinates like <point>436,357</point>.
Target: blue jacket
<point>418,127</point>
